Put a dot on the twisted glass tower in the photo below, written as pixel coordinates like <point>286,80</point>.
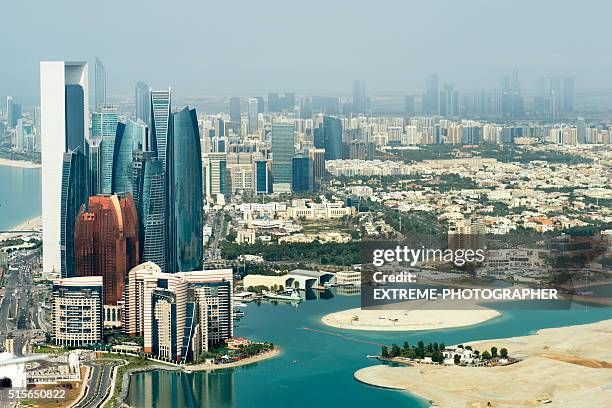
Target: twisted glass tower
<point>129,140</point>
<point>184,165</point>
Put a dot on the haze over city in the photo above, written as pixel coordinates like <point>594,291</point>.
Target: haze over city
<point>243,47</point>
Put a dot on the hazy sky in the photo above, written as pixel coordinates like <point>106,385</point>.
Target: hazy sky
<point>227,47</point>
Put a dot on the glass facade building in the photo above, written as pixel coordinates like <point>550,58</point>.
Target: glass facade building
<point>75,118</point>
<point>74,195</point>
<point>150,201</point>
<point>332,138</point>
<point>160,123</point>
<point>129,140</point>
<point>143,103</point>
<point>185,201</point>
<point>302,174</point>
<point>262,182</point>
<point>105,128</point>
<point>283,150</point>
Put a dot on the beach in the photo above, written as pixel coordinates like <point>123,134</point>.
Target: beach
<point>31,224</point>
<point>568,366</point>
<point>245,361</point>
<point>414,316</point>
<point>19,163</point>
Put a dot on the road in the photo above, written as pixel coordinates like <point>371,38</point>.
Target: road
<point>217,222</point>
<point>20,307</point>
<point>99,383</point>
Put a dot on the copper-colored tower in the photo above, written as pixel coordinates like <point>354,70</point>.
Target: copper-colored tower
<point>106,242</point>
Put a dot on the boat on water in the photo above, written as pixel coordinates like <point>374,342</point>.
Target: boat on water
<point>286,295</point>
<point>240,304</point>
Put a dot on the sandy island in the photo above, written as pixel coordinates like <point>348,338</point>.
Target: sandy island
<point>245,361</point>
<point>19,163</point>
<point>416,316</point>
<point>570,366</point>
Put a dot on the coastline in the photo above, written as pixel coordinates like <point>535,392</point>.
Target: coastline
<point>34,223</point>
<point>409,319</point>
<point>19,163</point>
<point>246,361</point>
<point>552,360</point>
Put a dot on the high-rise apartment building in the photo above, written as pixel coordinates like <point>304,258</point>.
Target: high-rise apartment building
<point>107,243</point>
<point>431,103</point>
<point>215,174</point>
<point>235,115</point>
<point>64,126</point>
<point>77,311</point>
<point>261,177</point>
<point>179,315</point>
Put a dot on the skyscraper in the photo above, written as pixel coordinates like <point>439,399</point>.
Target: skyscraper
<point>106,242</point>
<point>432,96</point>
<point>160,123</point>
<point>332,138</point>
<point>252,115</point>
<point>302,174</point>
<point>142,100</point>
<point>74,195</point>
<point>185,212</point>
<point>130,139</point>
<point>261,176</point>
<point>150,201</point>
<point>359,97</point>
<point>283,150</point>
<point>105,128</point>
<point>13,112</point>
<point>234,109</point>
<point>99,84</point>
<point>64,124</point>
<point>215,174</point>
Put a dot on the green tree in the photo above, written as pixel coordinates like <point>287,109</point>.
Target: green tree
<point>395,350</point>
<point>493,351</point>
<point>405,348</point>
<point>384,351</point>
<point>456,359</point>
<point>503,353</point>
<point>486,355</point>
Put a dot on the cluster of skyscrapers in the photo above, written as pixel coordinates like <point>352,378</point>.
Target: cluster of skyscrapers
<point>117,193</point>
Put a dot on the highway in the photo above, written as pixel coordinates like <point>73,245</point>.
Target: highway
<point>99,382</point>
<point>20,307</point>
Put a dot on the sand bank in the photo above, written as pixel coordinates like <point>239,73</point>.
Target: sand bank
<point>19,163</point>
<point>418,317</point>
<point>568,366</point>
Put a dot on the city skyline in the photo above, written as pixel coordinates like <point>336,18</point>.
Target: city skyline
<point>404,47</point>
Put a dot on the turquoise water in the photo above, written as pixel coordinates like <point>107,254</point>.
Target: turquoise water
<point>20,195</point>
<point>316,369</point>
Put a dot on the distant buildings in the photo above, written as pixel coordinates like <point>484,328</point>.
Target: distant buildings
<point>107,242</point>
<point>359,97</point>
<point>77,311</point>
<point>65,124</point>
<point>283,150</point>
<point>252,115</point>
<point>142,100</point>
<point>99,84</point>
<point>302,174</point>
